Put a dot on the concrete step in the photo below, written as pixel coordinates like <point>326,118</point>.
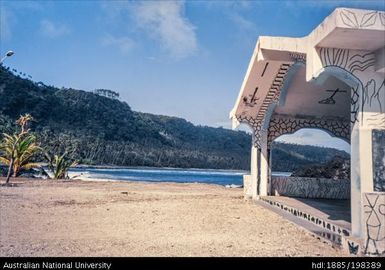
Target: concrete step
<point>308,215</point>
<point>320,233</point>
<point>320,228</point>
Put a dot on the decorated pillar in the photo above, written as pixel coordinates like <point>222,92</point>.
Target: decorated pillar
<point>252,181</point>
<point>359,69</point>
<point>254,171</point>
<point>265,166</point>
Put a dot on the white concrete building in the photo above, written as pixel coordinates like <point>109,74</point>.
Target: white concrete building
<point>332,79</point>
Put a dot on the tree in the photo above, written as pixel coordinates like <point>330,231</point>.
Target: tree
<point>59,165</point>
<point>18,149</point>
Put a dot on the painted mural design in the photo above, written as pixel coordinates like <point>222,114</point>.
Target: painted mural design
<point>367,98</point>
<point>307,187</point>
<point>335,232</point>
<point>273,96</point>
<point>298,57</point>
<point>255,125</point>
<point>353,248</point>
<point>369,95</point>
<point>354,20</point>
<point>374,214</point>
<point>354,105</point>
<point>251,100</point>
<point>280,125</point>
<point>275,90</point>
<point>330,100</point>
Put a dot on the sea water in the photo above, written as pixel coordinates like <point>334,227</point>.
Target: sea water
<point>220,177</point>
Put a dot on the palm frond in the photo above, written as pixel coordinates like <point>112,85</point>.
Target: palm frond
<point>29,166</point>
<point>4,160</point>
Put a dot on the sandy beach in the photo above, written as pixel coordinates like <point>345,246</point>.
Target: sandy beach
<point>116,218</point>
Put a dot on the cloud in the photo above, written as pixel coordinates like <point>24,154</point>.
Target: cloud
<point>165,22</point>
<point>243,23</point>
<point>10,12</point>
<point>162,21</point>
<point>315,137</point>
<point>229,5</point>
<point>6,20</point>
<point>238,13</point>
<point>124,44</point>
<point>51,30</point>
<point>334,3</point>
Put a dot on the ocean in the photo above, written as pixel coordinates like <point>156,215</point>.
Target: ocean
<point>220,177</point>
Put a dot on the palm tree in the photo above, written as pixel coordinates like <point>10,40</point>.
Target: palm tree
<point>23,122</point>
<point>59,165</point>
<point>21,154</point>
<point>18,148</point>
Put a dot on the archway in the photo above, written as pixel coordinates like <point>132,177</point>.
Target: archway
<point>318,170</point>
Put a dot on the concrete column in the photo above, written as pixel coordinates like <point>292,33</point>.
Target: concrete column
<point>355,184</point>
<point>374,233</point>
<point>265,167</point>
<point>254,171</point>
<point>361,175</point>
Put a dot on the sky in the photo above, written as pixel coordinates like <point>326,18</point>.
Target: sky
<point>177,58</point>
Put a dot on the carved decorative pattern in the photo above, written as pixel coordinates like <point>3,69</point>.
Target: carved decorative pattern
<point>255,125</point>
<point>282,125</point>
<point>354,20</point>
<point>272,96</point>
<point>374,214</point>
<point>274,92</point>
<point>354,105</point>
<point>382,18</point>
<point>298,57</point>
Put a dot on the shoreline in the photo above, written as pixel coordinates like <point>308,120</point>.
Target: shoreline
<point>81,166</point>
<point>138,181</point>
<point>160,175</point>
<point>153,175</point>
<point>101,180</point>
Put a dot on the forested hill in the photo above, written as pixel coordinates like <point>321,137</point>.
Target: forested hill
<point>100,130</point>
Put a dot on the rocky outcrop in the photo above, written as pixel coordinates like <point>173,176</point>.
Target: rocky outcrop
<point>337,168</point>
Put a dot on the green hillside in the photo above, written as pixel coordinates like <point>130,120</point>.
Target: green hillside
<point>105,131</point>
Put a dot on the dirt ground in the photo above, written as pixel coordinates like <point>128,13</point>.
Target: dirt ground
<point>111,218</point>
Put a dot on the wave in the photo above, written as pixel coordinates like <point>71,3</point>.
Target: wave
<point>159,171</point>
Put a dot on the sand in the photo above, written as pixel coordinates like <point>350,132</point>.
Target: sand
<point>116,218</point>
